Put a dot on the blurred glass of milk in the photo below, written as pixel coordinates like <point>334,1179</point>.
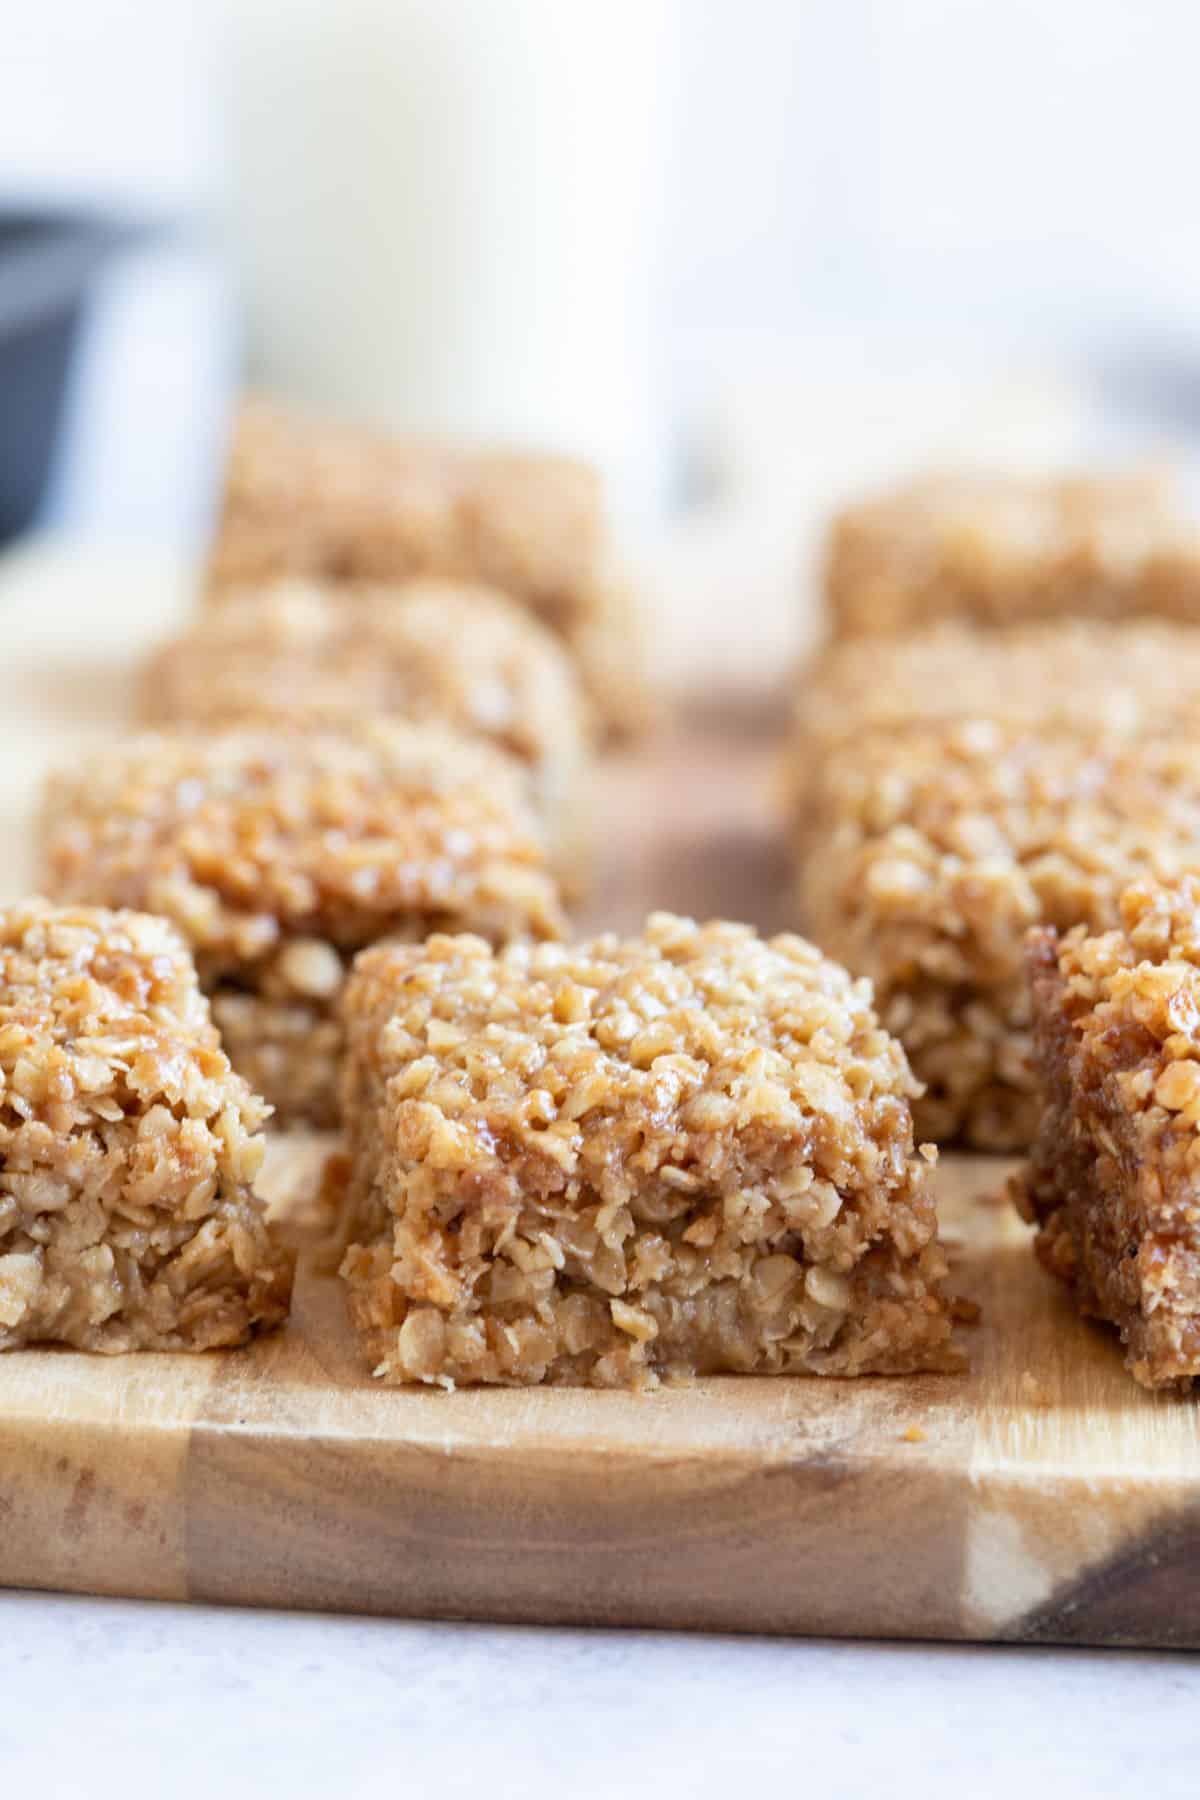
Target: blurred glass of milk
<point>446,215</point>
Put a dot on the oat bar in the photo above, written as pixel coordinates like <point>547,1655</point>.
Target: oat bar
<point>1114,1176</point>
<point>997,550</point>
<point>1140,677</point>
<point>926,855</point>
<point>316,500</point>
<point>281,854</point>
<point>679,1153</point>
<point>128,1146</point>
<point>300,652</point>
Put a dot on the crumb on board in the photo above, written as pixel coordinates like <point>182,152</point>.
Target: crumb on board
<point>914,1435</point>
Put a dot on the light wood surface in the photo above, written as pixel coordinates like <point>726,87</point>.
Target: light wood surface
<point>1041,1497</point>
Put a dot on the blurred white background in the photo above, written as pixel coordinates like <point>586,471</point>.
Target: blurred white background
<point>746,252</point>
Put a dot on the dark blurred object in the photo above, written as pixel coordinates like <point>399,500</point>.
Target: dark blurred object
<point>47,263</point>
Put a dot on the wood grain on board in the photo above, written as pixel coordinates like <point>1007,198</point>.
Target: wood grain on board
<point>1040,1497</point>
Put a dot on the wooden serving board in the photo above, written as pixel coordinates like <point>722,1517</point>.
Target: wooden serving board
<point>1042,1497</point>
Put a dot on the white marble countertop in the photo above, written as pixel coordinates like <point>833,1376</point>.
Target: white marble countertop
<point>106,1697</point>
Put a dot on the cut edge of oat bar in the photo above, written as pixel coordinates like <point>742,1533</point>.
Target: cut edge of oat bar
<point>1113,1179</point>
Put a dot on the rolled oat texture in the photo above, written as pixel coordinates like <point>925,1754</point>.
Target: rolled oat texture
<point>279,854</point>
<point>1113,1180</point>
<point>626,1160</point>
<point>128,1146</point>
